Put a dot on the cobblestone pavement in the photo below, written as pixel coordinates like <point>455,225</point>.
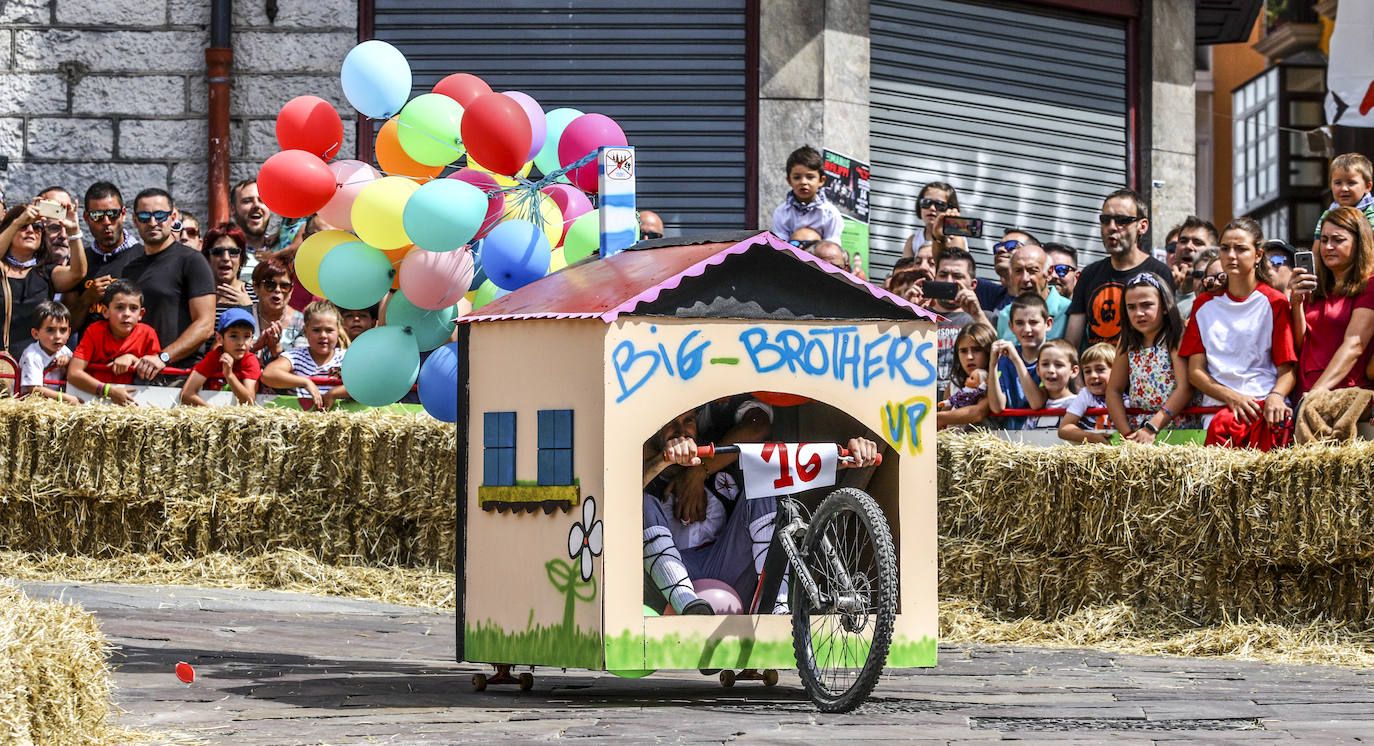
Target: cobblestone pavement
<point>281,668</point>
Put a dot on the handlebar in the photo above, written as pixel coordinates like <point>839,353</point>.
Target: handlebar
<point>711,449</point>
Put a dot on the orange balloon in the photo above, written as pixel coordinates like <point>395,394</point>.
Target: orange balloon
<point>394,161</point>
<point>396,255</point>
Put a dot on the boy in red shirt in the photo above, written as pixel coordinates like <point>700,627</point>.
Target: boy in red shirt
<point>229,360</point>
<point>115,344</point>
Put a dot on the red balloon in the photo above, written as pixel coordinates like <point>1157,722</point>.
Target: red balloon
<point>496,203</point>
<point>497,133</point>
<point>462,88</point>
<point>294,183</point>
<point>309,123</point>
<point>185,672</point>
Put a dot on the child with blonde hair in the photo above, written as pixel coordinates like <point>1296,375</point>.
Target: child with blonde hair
<point>1096,364</point>
<point>1057,366</point>
<point>321,357</point>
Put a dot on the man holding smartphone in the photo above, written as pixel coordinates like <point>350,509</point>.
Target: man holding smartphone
<point>953,297</point>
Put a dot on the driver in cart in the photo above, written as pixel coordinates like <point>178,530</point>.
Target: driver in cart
<point>696,525</point>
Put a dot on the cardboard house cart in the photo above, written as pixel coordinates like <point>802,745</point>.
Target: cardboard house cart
<point>567,377</point>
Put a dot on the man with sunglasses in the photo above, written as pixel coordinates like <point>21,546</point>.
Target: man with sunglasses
<point>1097,311</point>
<point>107,254</point>
<point>177,283</point>
<point>1063,268</point>
<point>1280,254</point>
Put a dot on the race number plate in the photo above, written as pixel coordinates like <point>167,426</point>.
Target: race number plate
<point>772,469</point>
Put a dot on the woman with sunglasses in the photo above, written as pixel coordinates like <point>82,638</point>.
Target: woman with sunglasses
<point>225,248</point>
<point>1333,310</point>
<point>936,201</point>
<point>280,325</point>
<point>32,274</point>
<point>1239,345</point>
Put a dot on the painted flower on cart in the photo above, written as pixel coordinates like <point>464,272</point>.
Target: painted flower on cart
<point>584,540</point>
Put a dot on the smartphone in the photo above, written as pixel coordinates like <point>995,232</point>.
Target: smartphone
<point>50,209</point>
<point>968,227</point>
<point>939,290</point>
<point>1303,261</point>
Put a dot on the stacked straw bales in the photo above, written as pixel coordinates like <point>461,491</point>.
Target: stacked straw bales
<point>366,487</point>
<point>1211,534</point>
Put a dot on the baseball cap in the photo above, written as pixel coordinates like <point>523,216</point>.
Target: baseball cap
<point>1281,246</point>
<point>233,316</point>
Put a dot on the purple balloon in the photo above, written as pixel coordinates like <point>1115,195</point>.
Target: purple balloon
<point>720,595</point>
<point>538,127</point>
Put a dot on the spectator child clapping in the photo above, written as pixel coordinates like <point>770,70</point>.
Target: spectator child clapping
<point>48,355</point>
<point>231,360</point>
<point>1148,372</point>
<point>1096,364</point>
<point>967,403</point>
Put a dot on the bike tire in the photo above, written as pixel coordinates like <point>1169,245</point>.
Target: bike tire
<point>863,542</point>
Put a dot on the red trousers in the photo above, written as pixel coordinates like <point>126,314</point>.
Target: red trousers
<point>1226,430</point>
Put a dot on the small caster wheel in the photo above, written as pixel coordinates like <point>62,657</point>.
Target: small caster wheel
<point>479,682</point>
<point>526,681</point>
<point>727,678</point>
<point>770,677</point>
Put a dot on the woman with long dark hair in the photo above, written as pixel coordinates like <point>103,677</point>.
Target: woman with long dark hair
<point>32,274</point>
<point>1333,309</point>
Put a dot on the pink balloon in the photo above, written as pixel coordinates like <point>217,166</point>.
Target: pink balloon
<point>584,135</point>
<point>572,201</point>
<point>719,594</point>
<point>434,280</point>
<point>538,126</point>
<point>496,203</point>
<point>351,177</point>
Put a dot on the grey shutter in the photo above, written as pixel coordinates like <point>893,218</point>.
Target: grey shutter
<point>672,76</point>
<point>1021,109</point>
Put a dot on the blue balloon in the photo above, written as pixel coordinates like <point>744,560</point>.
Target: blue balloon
<point>439,383</point>
<point>444,214</point>
<point>431,328</point>
<point>376,79</point>
<point>515,253</point>
<point>354,275</point>
<point>381,365</point>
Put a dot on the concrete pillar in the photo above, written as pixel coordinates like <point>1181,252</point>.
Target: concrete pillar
<point>813,86</point>
<point>1171,147</point>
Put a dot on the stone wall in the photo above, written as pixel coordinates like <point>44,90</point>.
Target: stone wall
<point>116,89</point>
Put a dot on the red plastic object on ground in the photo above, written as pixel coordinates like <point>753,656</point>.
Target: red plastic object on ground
<point>185,672</point>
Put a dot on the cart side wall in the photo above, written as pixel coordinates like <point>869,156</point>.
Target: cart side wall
<point>526,598</point>
<point>658,368</point>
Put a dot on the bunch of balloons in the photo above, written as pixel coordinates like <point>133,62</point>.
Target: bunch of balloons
<point>440,244</point>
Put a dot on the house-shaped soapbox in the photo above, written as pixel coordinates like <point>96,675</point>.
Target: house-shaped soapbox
<point>567,377</point>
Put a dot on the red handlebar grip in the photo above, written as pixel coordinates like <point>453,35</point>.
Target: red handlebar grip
<point>706,451</point>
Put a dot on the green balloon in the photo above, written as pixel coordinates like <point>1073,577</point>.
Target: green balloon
<point>354,275</point>
<point>431,328</point>
<point>584,237</point>
<point>381,365</point>
<point>429,129</point>
<point>486,293</point>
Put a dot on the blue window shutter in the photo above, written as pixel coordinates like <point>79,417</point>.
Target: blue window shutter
<point>548,474</point>
<point>498,454</point>
<point>546,428</point>
<point>563,428</point>
<point>562,466</point>
<point>507,429</point>
<point>491,425</point>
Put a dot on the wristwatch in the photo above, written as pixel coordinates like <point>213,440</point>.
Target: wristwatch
<point>164,357</point>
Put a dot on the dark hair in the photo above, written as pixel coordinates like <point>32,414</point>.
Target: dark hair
<point>903,263</point>
<point>102,190</point>
<point>1193,221</point>
<point>225,230</point>
<point>956,254</point>
<point>1249,225</point>
<point>63,190</point>
<point>1062,248</point>
<point>808,157</point>
<point>44,254</point>
<point>1033,240</point>
<point>1352,220</point>
<point>1026,300</point>
<point>151,192</point>
<point>373,310</point>
<point>122,287</point>
<point>983,336</point>
<point>234,193</point>
<point>1142,210</point>
<point>269,268</point>
<point>1173,233</point>
<point>1170,334</point>
<point>50,309</point>
<point>944,187</point>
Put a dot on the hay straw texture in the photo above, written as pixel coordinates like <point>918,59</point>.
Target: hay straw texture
<point>54,683</point>
<point>365,487</point>
<point>1211,534</point>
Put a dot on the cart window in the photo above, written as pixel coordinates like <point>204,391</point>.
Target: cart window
<point>555,446</point>
<point>498,444</point>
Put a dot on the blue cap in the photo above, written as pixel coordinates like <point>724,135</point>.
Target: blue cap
<point>233,316</point>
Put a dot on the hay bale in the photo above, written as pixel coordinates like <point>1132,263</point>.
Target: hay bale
<point>54,683</point>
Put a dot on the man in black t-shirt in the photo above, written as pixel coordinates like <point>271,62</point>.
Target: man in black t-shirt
<point>178,287</point>
<point>1097,313</point>
<point>110,251</point>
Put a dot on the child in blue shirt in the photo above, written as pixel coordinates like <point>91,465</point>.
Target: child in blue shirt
<point>1352,178</point>
<point>1015,382</point>
<point>806,206</point>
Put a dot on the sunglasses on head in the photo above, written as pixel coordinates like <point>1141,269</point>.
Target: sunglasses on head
<point>1106,219</point>
<point>1063,270</point>
<point>157,216</point>
<point>98,215</point>
<point>803,244</point>
<point>230,250</point>
<point>1008,245</point>
<point>939,204</point>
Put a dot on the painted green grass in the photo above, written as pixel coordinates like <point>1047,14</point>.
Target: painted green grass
<point>629,651</point>
<point>554,645</point>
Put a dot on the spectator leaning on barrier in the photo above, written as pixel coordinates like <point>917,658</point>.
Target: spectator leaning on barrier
<point>178,287</point>
<point>323,356</point>
<point>32,274</point>
<point>1333,310</point>
<point>230,360</point>
<point>111,251</point>
<point>279,324</point>
<point>116,344</point>
<point>1027,275</point>
<point>48,356</point>
<point>1239,346</point>
<point>1149,373</point>
<point>1096,312</point>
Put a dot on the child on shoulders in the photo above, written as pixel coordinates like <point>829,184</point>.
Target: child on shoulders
<point>1096,364</point>
<point>806,205</point>
<point>115,344</point>
<point>49,355</point>
<point>967,404</point>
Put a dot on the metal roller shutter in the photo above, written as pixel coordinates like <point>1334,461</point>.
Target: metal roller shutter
<point>1023,110</point>
<point>672,76</point>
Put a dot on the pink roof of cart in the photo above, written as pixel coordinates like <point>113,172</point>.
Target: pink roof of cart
<point>754,275</point>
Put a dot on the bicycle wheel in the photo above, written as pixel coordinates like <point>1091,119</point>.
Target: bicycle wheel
<point>842,645</point>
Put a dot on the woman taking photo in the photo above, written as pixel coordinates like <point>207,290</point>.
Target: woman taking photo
<point>1239,345</point>
<point>31,271</point>
<point>1333,310</point>
<point>936,201</point>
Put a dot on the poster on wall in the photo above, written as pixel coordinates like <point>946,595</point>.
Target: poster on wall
<point>846,185</point>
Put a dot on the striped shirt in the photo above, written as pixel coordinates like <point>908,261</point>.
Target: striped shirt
<point>302,364</point>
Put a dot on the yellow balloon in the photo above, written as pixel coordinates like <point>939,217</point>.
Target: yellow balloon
<point>550,219</point>
<point>311,253</point>
<point>522,173</point>
<point>556,260</point>
<point>377,212</point>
